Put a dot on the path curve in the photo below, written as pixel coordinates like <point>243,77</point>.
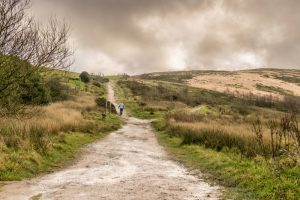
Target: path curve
<point>127,164</point>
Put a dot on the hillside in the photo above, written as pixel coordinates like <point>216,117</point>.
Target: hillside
<point>241,128</point>
<point>277,82</point>
<point>44,135</point>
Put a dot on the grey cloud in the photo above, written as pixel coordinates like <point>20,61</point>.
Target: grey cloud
<point>136,36</point>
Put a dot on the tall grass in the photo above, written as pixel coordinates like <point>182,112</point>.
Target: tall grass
<point>242,137</point>
<point>58,117</point>
<point>51,136</point>
<point>216,138</point>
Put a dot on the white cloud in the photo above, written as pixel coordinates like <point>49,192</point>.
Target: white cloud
<point>177,58</point>
<point>95,61</point>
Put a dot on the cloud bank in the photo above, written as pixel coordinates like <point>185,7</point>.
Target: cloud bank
<point>138,36</point>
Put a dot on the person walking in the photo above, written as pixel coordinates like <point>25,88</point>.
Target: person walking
<point>121,108</point>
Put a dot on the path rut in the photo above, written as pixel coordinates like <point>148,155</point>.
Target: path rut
<point>127,164</point>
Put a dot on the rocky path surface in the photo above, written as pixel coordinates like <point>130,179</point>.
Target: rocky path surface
<point>127,164</point>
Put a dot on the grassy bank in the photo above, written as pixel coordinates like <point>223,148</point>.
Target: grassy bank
<point>26,164</point>
<point>50,135</point>
<point>50,151</point>
<point>243,178</point>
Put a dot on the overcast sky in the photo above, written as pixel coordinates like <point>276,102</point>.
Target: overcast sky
<point>137,36</point>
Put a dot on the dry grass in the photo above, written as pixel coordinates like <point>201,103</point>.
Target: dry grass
<point>231,131</point>
<point>235,125</point>
<point>244,82</point>
<point>51,136</point>
<point>164,105</point>
<point>241,130</point>
<point>52,119</point>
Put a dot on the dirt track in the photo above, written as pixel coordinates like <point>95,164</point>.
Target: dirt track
<point>128,164</point>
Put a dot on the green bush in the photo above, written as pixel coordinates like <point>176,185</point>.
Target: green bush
<point>34,91</point>
<point>58,91</point>
<point>85,77</point>
<point>20,83</point>
<point>102,102</point>
<point>97,84</point>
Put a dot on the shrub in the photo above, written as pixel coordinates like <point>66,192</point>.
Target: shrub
<point>142,104</point>
<point>20,83</point>
<point>104,80</point>
<point>34,91</point>
<point>85,77</point>
<point>58,91</point>
<point>100,78</point>
<point>102,102</point>
<point>241,109</point>
<point>97,84</point>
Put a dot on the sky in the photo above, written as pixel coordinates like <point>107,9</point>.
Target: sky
<point>140,36</point>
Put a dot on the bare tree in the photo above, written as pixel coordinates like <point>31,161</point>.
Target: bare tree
<point>44,47</point>
<point>22,36</point>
